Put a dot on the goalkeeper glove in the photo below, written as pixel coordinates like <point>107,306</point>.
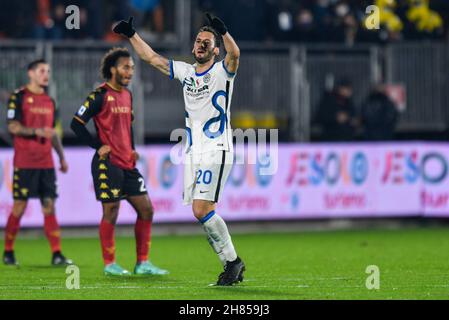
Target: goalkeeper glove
<point>217,24</point>
<point>125,28</point>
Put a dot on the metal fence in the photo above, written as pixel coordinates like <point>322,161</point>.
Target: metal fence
<point>423,69</point>
<point>284,85</point>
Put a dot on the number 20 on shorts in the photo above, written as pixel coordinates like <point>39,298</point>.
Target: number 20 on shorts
<point>205,175</point>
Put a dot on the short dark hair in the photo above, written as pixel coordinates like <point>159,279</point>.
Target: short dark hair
<point>217,37</point>
<point>33,64</point>
<point>110,59</point>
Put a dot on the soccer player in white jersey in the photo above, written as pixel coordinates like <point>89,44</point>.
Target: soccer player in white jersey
<point>207,86</point>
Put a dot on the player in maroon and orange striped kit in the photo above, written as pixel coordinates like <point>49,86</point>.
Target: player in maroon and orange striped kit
<point>114,163</point>
<point>31,119</point>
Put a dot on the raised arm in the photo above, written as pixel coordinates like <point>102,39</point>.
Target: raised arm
<point>232,50</point>
<point>144,51</point>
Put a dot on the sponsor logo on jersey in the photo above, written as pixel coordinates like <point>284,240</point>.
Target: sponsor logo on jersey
<point>115,192</point>
<point>82,110</point>
<point>104,195</point>
<point>40,110</point>
<point>11,113</point>
<point>121,110</point>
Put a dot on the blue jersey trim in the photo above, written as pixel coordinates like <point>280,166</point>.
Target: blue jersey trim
<point>207,217</point>
<point>171,70</point>
<point>203,73</point>
<point>231,74</point>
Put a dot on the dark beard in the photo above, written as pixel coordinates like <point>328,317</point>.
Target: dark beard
<point>118,79</point>
<point>206,58</point>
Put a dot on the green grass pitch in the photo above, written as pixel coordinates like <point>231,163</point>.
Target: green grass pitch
<point>413,263</point>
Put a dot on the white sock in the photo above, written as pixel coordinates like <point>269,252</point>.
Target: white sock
<point>217,231</point>
<point>217,250</point>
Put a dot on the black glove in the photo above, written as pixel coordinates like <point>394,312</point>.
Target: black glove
<point>125,28</point>
<point>217,24</point>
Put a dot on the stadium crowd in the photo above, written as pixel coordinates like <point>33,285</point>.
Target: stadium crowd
<point>340,21</point>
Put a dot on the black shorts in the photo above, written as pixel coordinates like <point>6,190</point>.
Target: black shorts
<point>34,183</point>
<point>113,183</point>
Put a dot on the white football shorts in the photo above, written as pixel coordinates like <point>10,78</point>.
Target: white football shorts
<point>205,175</point>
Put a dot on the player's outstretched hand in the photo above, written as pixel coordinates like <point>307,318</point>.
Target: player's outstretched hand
<point>64,166</point>
<point>217,24</point>
<point>104,151</point>
<point>125,28</point>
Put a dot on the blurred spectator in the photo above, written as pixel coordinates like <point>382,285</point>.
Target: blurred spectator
<point>282,20</point>
<point>347,23</point>
<point>148,14</point>
<point>325,21</point>
<point>44,27</point>
<point>50,20</point>
<point>379,116</point>
<point>336,113</point>
<point>423,22</point>
<point>306,29</point>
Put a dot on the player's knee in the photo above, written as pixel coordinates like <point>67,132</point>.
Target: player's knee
<point>48,206</point>
<point>200,209</point>
<point>110,212</point>
<point>146,213</point>
<point>18,208</point>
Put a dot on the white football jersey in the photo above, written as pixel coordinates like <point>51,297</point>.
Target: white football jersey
<point>207,99</point>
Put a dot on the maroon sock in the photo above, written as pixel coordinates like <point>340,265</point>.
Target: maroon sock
<point>142,231</point>
<point>107,241</point>
<point>52,232</point>
<point>11,230</point>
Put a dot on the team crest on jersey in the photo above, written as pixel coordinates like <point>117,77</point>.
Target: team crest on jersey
<point>110,98</point>
<point>206,78</point>
<point>30,100</point>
